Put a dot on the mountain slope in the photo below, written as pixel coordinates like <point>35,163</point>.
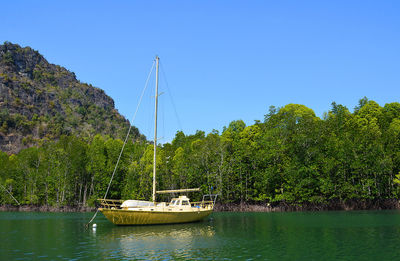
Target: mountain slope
<point>40,101</point>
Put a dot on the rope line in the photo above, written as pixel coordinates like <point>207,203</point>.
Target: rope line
<point>170,96</point>
<point>126,139</point>
<point>129,130</point>
<point>10,194</point>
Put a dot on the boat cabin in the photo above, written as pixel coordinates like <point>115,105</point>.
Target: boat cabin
<point>182,201</point>
<point>131,204</point>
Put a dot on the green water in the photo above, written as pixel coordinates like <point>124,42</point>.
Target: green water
<point>366,235</point>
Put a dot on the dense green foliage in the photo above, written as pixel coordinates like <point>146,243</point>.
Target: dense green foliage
<point>292,156</point>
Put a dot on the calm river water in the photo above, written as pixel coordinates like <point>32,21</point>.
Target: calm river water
<point>364,235</point>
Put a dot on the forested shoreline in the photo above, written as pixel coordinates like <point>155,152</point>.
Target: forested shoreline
<point>332,205</point>
<point>292,160</point>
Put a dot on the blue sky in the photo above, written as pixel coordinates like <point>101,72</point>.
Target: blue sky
<point>223,60</point>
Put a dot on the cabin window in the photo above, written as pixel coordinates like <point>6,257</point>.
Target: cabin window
<point>173,202</point>
<point>185,203</point>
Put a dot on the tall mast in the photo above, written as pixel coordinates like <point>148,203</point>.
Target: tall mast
<point>155,133</point>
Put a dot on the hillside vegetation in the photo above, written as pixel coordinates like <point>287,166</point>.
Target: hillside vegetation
<point>40,101</point>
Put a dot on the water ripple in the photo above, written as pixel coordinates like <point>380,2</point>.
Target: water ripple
<point>229,236</point>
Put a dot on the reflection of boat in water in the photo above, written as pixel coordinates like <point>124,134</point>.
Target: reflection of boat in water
<point>167,242</point>
<point>137,212</point>
<point>175,232</point>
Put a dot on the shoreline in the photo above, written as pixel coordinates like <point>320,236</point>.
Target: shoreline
<point>33,208</point>
<point>334,205</point>
<point>350,205</point>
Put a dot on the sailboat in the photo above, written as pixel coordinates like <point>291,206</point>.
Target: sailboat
<point>139,212</point>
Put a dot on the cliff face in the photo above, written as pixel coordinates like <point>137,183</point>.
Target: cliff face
<point>40,101</point>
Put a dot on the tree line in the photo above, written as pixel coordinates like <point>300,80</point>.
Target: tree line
<point>292,156</point>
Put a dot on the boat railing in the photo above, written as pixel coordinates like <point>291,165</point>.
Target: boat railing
<point>110,203</point>
<point>203,204</point>
<point>211,197</point>
<point>116,204</point>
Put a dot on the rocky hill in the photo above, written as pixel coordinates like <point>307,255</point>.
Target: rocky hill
<point>42,101</point>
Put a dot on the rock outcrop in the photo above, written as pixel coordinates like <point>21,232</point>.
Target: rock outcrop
<point>40,101</point>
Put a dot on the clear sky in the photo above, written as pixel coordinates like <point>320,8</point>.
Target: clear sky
<point>223,60</point>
